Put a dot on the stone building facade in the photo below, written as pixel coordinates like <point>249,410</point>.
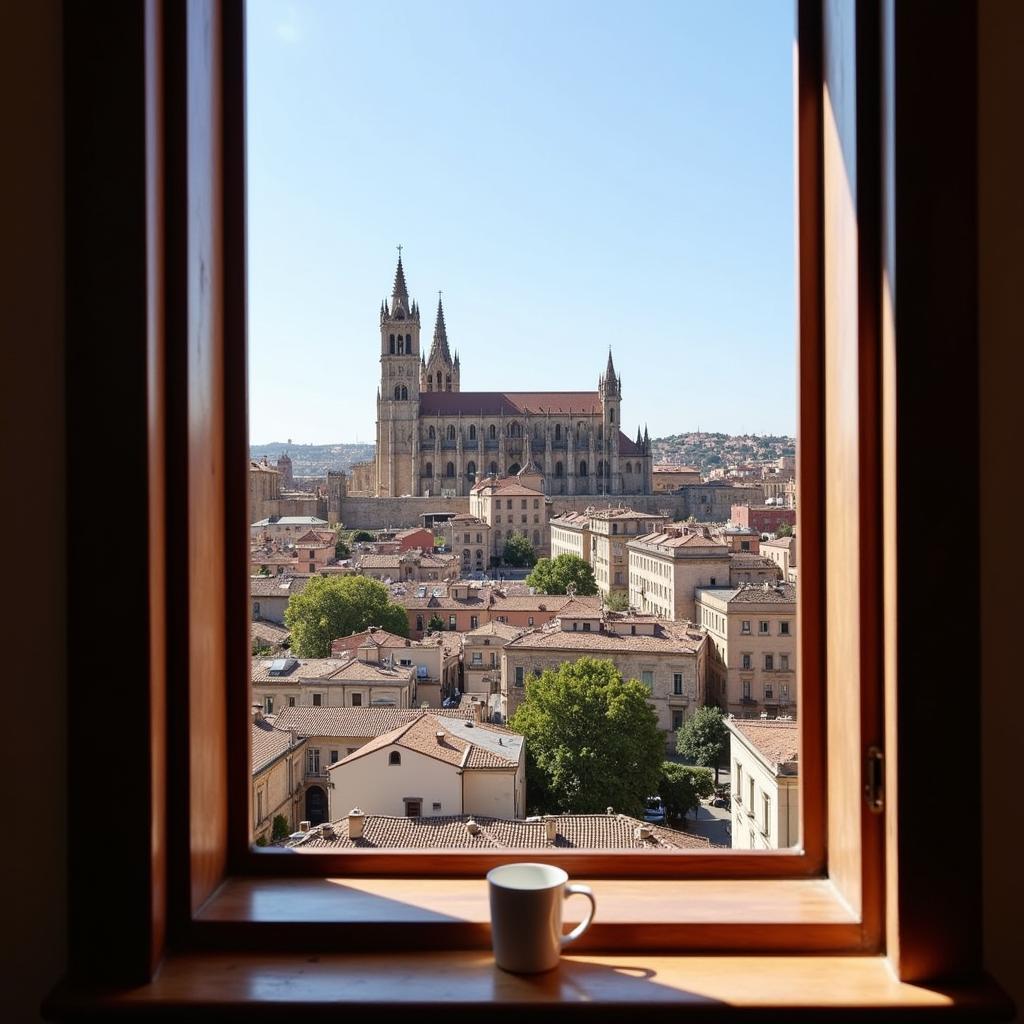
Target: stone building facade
<point>433,438</point>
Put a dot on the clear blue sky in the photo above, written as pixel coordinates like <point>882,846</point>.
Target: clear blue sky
<point>573,175</point>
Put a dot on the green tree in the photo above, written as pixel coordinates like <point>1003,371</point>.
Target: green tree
<point>336,606</point>
<point>436,622</point>
<point>360,536</point>
<point>617,602</point>
<point>592,740</point>
<point>556,575</point>
<point>681,787</point>
<point>280,827</point>
<point>784,530</point>
<point>703,737</point>
<point>518,551</point>
<point>342,550</point>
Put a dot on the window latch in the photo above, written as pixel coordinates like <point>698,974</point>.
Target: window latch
<point>874,780</point>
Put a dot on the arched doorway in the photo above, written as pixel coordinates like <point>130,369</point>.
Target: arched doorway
<point>316,805</point>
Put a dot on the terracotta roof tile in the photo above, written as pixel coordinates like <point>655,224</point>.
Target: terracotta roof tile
<point>778,742</point>
<point>355,722</point>
<point>580,831</point>
<point>269,742</point>
<point>509,403</point>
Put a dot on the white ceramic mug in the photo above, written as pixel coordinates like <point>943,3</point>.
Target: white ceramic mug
<point>526,915</point>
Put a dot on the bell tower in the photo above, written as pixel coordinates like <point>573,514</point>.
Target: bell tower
<point>609,386</point>
<point>398,394</point>
<point>440,372</point>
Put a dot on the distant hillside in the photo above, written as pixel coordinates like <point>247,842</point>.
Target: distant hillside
<point>709,451</point>
<point>705,451</point>
<point>314,459</point>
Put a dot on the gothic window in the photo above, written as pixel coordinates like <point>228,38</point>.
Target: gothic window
<point>558,469</point>
<point>479,555</point>
<point>430,433</point>
<point>492,431</point>
<point>629,467</point>
<point>558,433</point>
<point>493,469</point>
<point>611,415</point>
<point>448,382</point>
<point>471,470</point>
<point>451,433</point>
<point>398,392</point>
<point>438,380</point>
<point>472,433</point>
<point>449,470</point>
<point>391,344</point>
<point>428,469</point>
<point>401,345</point>
<point>583,467</point>
<point>408,343</point>
<point>515,430</point>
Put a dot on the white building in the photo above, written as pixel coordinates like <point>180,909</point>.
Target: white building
<point>433,766</point>
<point>765,783</point>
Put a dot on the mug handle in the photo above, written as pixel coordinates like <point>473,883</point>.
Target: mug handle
<point>582,890</point>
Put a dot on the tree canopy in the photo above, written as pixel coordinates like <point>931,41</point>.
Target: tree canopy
<point>784,530</point>
<point>361,535</point>
<point>681,787</point>
<point>703,737</point>
<point>337,606</point>
<point>617,602</point>
<point>556,575</point>
<point>518,551</point>
<point>592,740</point>
<point>436,622</point>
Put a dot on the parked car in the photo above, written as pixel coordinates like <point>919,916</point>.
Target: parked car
<point>654,811</point>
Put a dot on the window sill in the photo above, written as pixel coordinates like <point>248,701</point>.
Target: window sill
<point>464,985</point>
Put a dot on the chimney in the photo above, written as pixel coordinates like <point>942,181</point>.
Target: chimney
<point>257,711</point>
<point>644,833</point>
<point>551,827</point>
<point>356,819</point>
<point>609,811</point>
<point>327,831</point>
<point>472,827</point>
<point>439,736</point>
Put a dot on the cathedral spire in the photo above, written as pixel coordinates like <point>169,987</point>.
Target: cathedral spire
<point>610,368</point>
<point>440,345</point>
<point>399,291</point>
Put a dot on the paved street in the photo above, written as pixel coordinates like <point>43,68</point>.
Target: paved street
<point>713,823</point>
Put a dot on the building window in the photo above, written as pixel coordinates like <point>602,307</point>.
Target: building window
<point>746,689</point>
<point>317,699</point>
<point>334,757</point>
<point>478,658</point>
<point>394,758</point>
<point>784,662</point>
<point>430,433</point>
<point>769,663</point>
<point>762,628</point>
<point>313,761</point>
<point>492,432</point>
<point>766,814</point>
<point>677,720</point>
<point>268,705</point>
<point>583,468</point>
<point>745,626</point>
<point>559,471</point>
<point>529,620</point>
<point>647,678</point>
<point>472,433</point>
<point>714,581</point>
<point>357,700</point>
<point>745,663</point>
<point>451,621</point>
<point>419,623</point>
<point>519,675</point>
<point>738,788</point>
<point>769,692</point>
<point>558,433</point>
<point>449,470</point>
<point>471,473</point>
<point>291,702</point>
<point>413,808</point>
<point>744,545</point>
<point>783,629</point>
<point>784,691</point>
<point>677,683</point>
<point>428,469</point>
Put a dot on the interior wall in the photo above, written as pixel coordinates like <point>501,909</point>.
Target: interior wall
<point>1001,320</point>
<point>32,410</point>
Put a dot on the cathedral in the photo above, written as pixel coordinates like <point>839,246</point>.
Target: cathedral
<point>435,439</point>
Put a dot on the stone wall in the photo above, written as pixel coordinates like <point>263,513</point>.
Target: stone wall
<point>380,513</point>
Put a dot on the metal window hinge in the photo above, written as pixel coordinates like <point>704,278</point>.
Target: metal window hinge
<point>874,780</point>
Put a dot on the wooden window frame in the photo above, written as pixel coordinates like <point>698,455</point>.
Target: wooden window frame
<point>165,106</point>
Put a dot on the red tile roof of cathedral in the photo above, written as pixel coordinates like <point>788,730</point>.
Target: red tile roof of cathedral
<point>497,403</point>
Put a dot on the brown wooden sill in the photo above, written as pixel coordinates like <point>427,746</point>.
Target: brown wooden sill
<point>336,914</point>
<point>467,986</point>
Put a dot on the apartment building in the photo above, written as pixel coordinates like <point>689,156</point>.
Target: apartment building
<point>481,671</point>
<point>570,535</point>
<point>666,567</point>
<point>670,658</point>
<point>765,784</point>
<point>512,504</point>
<point>611,529</point>
<point>277,776</point>
<point>752,661</point>
<point>782,551</point>
<point>470,540</point>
